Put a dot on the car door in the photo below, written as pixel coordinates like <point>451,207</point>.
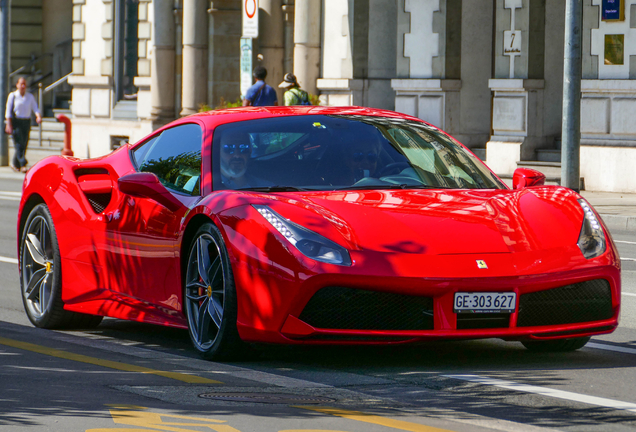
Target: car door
<point>143,258</point>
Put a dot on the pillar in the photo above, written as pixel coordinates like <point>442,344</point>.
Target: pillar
<point>195,53</point>
<point>271,42</point>
<point>307,14</point>
<point>162,63</point>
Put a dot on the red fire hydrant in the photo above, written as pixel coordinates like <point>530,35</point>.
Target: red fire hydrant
<point>66,151</point>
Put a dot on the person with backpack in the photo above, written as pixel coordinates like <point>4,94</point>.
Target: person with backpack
<point>295,95</point>
<point>260,94</point>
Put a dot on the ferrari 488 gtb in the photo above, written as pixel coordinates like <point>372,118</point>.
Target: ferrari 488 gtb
<point>312,225</point>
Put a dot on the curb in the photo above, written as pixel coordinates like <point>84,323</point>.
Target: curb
<point>619,222</point>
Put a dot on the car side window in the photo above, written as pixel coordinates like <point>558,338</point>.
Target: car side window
<point>175,157</point>
<point>139,152</point>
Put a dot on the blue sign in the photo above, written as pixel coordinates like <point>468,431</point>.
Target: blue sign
<point>612,10</point>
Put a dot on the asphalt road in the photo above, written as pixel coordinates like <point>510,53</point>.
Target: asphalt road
<point>127,376</point>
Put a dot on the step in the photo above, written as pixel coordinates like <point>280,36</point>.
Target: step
<point>65,111</point>
<point>549,155</point>
<point>36,154</point>
<point>480,152</point>
<point>49,123</point>
<point>551,170</point>
<point>47,135</point>
<point>125,110</point>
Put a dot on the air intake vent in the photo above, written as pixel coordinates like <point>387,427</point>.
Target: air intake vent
<point>348,308</point>
<point>97,186</point>
<point>98,201</point>
<point>576,303</point>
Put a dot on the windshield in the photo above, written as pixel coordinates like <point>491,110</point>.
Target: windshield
<point>339,152</point>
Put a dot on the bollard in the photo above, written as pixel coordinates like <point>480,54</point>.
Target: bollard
<point>67,151</point>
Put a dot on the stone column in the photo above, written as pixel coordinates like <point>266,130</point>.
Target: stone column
<point>224,51</point>
<point>162,63</point>
<point>518,86</point>
<point>271,42</point>
<point>428,61</point>
<point>307,16</point>
<point>195,51</point>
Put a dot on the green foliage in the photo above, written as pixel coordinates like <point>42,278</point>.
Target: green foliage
<point>223,104</point>
<point>174,172</point>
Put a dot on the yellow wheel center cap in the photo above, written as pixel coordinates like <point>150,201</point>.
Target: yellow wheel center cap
<point>48,267</point>
<point>209,291</point>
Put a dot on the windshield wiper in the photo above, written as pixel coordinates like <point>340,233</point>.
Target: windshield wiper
<point>277,188</point>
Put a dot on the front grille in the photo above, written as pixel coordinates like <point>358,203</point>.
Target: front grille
<point>349,309</point>
<point>576,303</point>
<point>98,201</point>
<point>466,321</point>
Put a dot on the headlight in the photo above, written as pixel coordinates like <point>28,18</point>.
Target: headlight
<point>592,238</point>
<point>309,243</point>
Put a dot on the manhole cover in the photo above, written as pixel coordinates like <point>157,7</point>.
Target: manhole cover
<point>274,398</point>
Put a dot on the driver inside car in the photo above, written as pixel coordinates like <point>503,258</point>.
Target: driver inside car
<point>236,149</point>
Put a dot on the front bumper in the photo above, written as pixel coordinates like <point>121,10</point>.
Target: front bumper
<point>568,304</point>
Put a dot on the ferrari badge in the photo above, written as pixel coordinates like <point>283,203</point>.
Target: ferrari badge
<point>482,264</point>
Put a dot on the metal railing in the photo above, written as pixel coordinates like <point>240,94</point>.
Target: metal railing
<point>41,92</point>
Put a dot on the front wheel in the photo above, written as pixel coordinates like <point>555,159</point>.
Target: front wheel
<point>558,345</point>
<point>210,297</point>
<point>41,275</point>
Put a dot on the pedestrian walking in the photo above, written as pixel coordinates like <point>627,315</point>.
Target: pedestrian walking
<point>294,95</point>
<point>260,94</point>
<point>20,105</point>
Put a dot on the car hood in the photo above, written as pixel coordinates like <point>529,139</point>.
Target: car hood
<point>439,222</point>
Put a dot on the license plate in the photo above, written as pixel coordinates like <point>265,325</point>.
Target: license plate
<point>485,302</point>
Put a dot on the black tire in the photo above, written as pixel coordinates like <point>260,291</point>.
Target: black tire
<point>558,345</point>
<point>41,276</point>
<point>209,298</point>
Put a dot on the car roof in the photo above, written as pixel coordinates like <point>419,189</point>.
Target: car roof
<point>214,118</point>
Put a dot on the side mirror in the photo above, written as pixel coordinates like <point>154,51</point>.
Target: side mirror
<point>147,185</point>
<point>525,177</point>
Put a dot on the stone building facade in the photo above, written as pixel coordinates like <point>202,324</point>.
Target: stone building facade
<point>489,72</point>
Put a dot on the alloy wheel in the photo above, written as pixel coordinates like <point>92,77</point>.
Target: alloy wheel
<point>205,291</point>
<point>38,267</point>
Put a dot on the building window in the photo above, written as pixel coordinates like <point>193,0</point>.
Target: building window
<point>126,46</point>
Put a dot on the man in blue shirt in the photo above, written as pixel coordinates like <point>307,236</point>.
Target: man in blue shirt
<point>260,94</point>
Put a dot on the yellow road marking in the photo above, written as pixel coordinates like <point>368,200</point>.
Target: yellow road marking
<point>370,418</point>
<point>191,379</point>
<point>131,415</point>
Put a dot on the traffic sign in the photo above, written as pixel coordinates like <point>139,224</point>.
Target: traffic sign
<point>250,18</point>
<point>246,65</point>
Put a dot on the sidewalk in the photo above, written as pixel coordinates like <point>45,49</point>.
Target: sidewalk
<point>618,210</point>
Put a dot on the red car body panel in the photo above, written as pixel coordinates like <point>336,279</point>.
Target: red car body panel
<point>126,262</point>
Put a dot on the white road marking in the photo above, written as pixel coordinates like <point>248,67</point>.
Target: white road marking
<point>8,260</point>
<point>545,391</point>
<point>628,259</point>
<point>611,348</point>
<point>624,241</point>
<point>629,294</point>
<point>10,196</point>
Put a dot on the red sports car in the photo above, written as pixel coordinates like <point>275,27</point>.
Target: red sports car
<point>312,225</point>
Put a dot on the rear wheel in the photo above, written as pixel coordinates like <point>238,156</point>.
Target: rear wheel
<point>41,275</point>
<point>210,298</point>
<point>558,345</point>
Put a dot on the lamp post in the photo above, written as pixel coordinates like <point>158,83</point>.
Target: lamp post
<point>571,126</point>
<point>4,76</point>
